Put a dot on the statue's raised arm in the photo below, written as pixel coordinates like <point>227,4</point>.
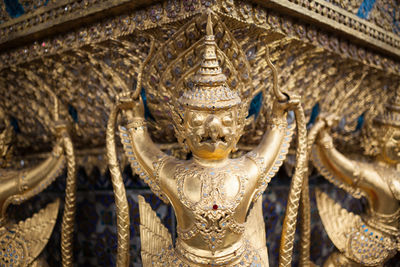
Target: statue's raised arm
<point>145,157</point>
<point>19,185</point>
<point>271,152</point>
<point>336,167</point>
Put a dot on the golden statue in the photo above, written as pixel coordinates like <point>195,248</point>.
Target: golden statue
<point>369,239</point>
<point>216,199</point>
<point>21,243</point>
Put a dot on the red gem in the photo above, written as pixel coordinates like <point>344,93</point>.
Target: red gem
<point>215,206</point>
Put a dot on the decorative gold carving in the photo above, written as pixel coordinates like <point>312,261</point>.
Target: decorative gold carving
<point>249,44</point>
<point>3,13</point>
<point>55,12</point>
<point>347,22</point>
<point>68,220</point>
<point>350,5</point>
<point>5,141</point>
<point>307,70</point>
<point>153,233</point>
<point>169,12</point>
<point>17,186</point>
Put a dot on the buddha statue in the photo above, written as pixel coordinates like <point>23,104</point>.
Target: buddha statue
<point>369,239</point>
<point>216,199</point>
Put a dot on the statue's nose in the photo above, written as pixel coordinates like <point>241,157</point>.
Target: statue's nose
<point>213,127</point>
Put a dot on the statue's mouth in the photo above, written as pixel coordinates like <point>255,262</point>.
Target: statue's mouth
<point>212,144</point>
<point>209,140</point>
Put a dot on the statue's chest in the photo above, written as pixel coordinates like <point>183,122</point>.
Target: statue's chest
<point>211,197</point>
<point>210,185</point>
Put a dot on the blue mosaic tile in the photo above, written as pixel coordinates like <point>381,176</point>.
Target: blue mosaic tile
<point>255,105</point>
<point>14,8</point>
<point>365,7</point>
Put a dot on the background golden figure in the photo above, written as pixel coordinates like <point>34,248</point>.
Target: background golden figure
<point>21,243</point>
<point>372,238</point>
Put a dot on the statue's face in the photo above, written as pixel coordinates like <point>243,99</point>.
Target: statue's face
<point>391,148</point>
<point>211,134</point>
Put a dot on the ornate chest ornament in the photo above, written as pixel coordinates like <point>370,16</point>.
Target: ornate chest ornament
<point>215,198</point>
<point>214,213</point>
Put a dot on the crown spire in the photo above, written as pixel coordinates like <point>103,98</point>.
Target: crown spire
<point>210,90</point>
<point>209,29</point>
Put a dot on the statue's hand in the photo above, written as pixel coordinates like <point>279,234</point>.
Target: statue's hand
<point>290,103</point>
<point>138,108</point>
<point>126,101</point>
<point>325,139</point>
<point>330,119</point>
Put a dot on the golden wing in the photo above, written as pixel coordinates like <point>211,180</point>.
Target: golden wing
<point>25,241</point>
<point>154,236</point>
<point>255,231</point>
<point>336,220</point>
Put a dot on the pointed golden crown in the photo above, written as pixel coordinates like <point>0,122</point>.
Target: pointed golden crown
<point>210,90</point>
<point>391,115</point>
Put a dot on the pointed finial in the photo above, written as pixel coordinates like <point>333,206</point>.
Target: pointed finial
<point>209,29</point>
<point>210,89</point>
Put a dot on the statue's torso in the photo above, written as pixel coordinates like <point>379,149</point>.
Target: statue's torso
<point>211,202</point>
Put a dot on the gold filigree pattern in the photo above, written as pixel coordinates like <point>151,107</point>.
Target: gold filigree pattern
<point>329,174</point>
<point>156,15</point>
<point>372,238</point>
<point>213,213</point>
<point>168,78</point>
<point>119,59</point>
<point>349,5</point>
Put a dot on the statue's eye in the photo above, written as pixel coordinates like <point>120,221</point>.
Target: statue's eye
<point>227,120</point>
<point>197,120</point>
